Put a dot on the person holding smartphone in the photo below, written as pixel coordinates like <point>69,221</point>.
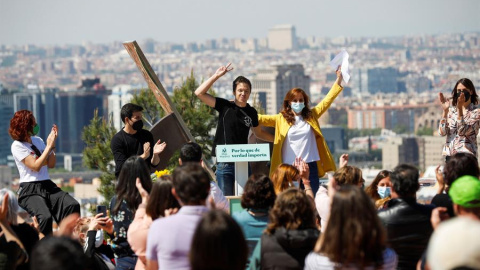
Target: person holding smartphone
<point>37,194</point>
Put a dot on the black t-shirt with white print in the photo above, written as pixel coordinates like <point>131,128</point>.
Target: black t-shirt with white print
<point>233,124</point>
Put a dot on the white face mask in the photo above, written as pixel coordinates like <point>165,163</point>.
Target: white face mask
<point>297,106</point>
<point>99,238</point>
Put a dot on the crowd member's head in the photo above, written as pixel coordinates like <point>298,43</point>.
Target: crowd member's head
<point>22,126</point>
<point>190,152</point>
<point>242,88</point>
<point>292,210</point>
<point>465,195</point>
<point>459,165</point>
<point>131,112</point>
<point>466,86</point>
<point>454,245</point>
<point>191,184</point>
<point>81,228</point>
<point>380,188</point>
<point>218,243</point>
<point>354,233</point>
<point>258,193</point>
<point>284,177</point>
<point>12,205</point>
<point>349,175</point>
<point>161,198</point>
<point>126,189</point>
<point>296,99</point>
<point>404,181</point>
<point>54,253</point>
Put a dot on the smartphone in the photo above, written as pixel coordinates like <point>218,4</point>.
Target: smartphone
<point>102,209</point>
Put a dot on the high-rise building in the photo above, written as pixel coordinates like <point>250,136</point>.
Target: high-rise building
<point>375,80</point>
<point>276,81</point>
<point>282,38</point>
<point>74,112</point>
<point>6,113</point>
<point>121,94</point>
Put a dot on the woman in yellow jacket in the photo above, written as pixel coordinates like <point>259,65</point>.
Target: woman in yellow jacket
<point>298,134</point>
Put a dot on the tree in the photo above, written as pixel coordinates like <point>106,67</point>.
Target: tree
<point>425,131</point>
<point>97,154</point>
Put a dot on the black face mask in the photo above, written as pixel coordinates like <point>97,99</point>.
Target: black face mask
<point>465,93</point>
<point>137,125</point>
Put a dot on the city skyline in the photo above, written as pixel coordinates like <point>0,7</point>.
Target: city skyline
<point>61,22</point>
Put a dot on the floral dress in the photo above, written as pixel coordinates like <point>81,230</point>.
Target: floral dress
<point>461,134</point>
<point>121,221</point>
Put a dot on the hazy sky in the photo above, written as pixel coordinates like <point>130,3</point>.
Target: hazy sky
<point>100,21</point>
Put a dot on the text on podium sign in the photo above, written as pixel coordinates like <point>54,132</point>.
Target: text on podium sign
<point>243,152</point>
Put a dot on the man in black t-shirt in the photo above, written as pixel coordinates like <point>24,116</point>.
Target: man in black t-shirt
<point>234,122</point>
<point>133,140</point>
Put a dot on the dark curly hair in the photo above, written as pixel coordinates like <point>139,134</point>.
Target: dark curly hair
<point>191,183</point>
<point>293,211</point>
<point>21,125</point>
<point>258,193</point>
<point>460,164</point>
<point>287,111</point>
<point>404,180</point>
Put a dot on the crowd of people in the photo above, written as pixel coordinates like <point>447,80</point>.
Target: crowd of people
<point>288,220</point>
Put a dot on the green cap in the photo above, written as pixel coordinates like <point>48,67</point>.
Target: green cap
<point>465,191</point>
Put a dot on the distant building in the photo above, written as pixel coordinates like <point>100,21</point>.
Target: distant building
<point>388,117</point>
<point>430,151</point>
<point>375,80</point>
<point>336,138</point>
<point>6,113</point>
<point>74,112</point>
<point>121,95</point>
<point>282,38</point>
<point>398,150</point>
<point>277,81</point>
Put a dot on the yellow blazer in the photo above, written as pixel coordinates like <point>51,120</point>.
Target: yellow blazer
<point>326,162</point>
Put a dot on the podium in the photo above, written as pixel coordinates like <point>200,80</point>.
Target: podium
<point>241,154</point>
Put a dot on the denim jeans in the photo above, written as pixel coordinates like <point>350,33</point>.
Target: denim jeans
<point>125,263</point>
<point>226,178</point>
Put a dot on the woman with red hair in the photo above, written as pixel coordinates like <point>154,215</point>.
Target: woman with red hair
<point>298,134</point>
<point>37,193</point>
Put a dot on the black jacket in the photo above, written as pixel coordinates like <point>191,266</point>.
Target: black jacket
<point>408,227</point>
<point>287,249</point>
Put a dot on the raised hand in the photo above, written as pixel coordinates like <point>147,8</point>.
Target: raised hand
<point>143,193</point>
<point>443,101</point>
<point>222,70</point>
<point>461,101</point>
<point>52,136</point>
<point>343,161</point>
<point>146,150</point>
<point>159,147</point>
<point>339,75</point>
<point>4,209</point>
<point>96,223</point>
<point>302,167</point>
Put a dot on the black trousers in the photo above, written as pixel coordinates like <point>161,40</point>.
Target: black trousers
<point>47,202</point>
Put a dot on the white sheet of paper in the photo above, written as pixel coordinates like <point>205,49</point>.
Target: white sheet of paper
<point>341,59</point>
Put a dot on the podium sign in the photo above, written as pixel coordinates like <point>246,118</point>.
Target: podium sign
<point>241,154</point>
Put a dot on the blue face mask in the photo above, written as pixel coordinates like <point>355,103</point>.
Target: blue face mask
<point>383,192</point>
<point>297,106</point>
